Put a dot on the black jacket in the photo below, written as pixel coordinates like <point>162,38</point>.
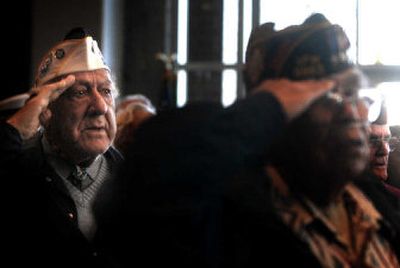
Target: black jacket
<point>170,196</point>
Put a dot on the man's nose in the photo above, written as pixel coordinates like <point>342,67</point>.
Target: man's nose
<point>383,147</point>
<point>351,110</point>
<point>98,104</point>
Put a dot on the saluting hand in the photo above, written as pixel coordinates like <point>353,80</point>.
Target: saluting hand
<point>295,96</point>
<point>28,119</point>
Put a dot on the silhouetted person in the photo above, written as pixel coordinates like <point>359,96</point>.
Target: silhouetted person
<point>309,205</point>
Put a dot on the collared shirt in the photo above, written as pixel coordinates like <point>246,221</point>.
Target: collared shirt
<point>98,171</point>
<point>362,246</point>
<point>65,169</point>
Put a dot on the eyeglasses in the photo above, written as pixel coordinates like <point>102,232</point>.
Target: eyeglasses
<point>392,142</point>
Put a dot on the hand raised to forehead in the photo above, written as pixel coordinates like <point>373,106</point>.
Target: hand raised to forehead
<point>295,96</point>
<point>28,119</point>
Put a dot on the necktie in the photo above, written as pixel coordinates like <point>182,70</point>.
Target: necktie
<point>80,179</point>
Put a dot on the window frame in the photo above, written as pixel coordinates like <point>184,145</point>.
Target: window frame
<point>377,73</point>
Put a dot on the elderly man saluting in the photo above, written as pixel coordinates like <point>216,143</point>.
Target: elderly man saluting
<point>54,176</point>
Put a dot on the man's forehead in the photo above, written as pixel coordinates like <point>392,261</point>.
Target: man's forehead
<point>380,130</point>
<point>322,112</point>
<point>102,74</point>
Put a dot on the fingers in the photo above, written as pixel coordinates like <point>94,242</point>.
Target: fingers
<point>296,96</point>
<point>45,117</point>
<point>316,87</point>
<point>35,111</point>
<point>308,91</point>
<point>54,90</point>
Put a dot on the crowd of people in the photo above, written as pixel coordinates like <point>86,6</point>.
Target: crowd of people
<point>295,169</point>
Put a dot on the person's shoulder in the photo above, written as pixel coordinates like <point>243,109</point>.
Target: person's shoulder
<point>393,189</point>
<point>374,189</point>
<point>32,144</point>
<point>114,155</point>
<point>179,122</point>
<point>192,111</point>
<point>383,200</point>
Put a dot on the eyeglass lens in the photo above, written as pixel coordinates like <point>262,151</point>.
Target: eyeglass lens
<point>392,142</point>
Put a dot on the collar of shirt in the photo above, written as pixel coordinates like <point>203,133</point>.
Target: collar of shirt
<point>300,213</point>
<point>65,169</point>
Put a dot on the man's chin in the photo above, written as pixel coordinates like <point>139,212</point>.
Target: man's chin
<point>381,173</point>
<point>95,148</point>
<point>357,168</point>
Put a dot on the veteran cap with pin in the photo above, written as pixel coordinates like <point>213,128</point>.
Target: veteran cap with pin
<point>314,49</point>
<point>77,52</point>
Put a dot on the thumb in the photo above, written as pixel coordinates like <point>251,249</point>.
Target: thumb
<point>45,117</point>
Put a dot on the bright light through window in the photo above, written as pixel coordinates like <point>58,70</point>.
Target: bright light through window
<point>379,38</point>
<point>182,31</point>
<point>247,24</point>
<point>229,86</point>
<point>230,31</point>
<point>181,88</point>
<point>391,93</point>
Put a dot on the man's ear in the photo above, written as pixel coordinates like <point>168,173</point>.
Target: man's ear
<point>44,117</point>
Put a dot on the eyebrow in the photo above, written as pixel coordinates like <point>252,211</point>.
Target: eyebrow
<point>373,136</point>
<point>85,82</point>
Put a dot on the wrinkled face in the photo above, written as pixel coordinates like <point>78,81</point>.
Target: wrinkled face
<point>82,124</point>
<point>393,165</point>
<point>379,150</point>
<point>340,132</point>
<point>337,125</point>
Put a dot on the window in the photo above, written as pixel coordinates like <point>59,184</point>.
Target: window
<point>391,93</point>
<point>342,12</point>
<point>369,24</point>
<point>378,22</point>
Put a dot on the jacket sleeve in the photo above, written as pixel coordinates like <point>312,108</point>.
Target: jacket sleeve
<point>171,186</point>
<point>10,143</point>
<point>205,141</point>
<point>250,126</point>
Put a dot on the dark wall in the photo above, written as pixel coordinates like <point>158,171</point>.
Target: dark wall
<point>16,45</point>
<point>143,38</point>
<point>52,19</point>
<point>43,23</point>
<point>30,28</point>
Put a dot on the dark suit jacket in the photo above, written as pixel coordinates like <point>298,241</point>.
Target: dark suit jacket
<point>170,195</point>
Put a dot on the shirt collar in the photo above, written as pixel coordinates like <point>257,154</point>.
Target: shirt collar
<point>300,212</point>
<point>65,169</point>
